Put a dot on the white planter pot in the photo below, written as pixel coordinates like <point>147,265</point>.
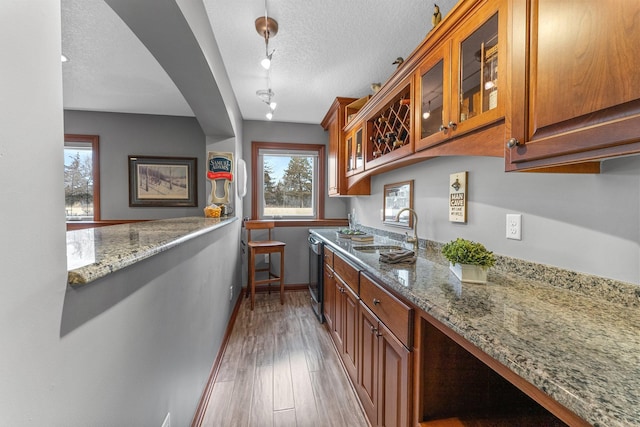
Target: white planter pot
<point>469,273</point>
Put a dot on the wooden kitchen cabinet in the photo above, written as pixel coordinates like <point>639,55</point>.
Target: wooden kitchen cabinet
<point>389,128</point>
<point>329,295</point>
<point>333,123</point>
<point>354,151</point>
<point>461,83</point>
<point>384,360</point>
<point>384,372</point>
<point>576,86</point>
<point>345,320</point>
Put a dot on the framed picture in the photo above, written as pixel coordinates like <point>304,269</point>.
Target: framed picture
<point>162,181</point>
<point>397,197</point>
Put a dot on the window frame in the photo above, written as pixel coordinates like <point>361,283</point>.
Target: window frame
<point>94,140</point>
<point>256,146</point>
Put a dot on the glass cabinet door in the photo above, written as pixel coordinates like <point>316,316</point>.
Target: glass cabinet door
<point>432,95</point>
<point>359,150</point>
<point>349,148</point>
<point>478,84</point>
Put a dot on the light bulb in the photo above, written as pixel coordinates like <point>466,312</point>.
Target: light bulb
<point>266,63</point>
<point>426,115</point>
<point>269,115</point>
<point>63,58</point>
<point>272,105</point>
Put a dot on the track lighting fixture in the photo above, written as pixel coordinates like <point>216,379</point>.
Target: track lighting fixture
<point>267,27</point>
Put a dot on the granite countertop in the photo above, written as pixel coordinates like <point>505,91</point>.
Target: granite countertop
<point>582,351</point>
<point>96,252</point>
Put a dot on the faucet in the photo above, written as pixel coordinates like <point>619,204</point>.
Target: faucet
<point>413,239</point>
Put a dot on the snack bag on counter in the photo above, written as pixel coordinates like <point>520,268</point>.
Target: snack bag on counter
<point>212,211</point>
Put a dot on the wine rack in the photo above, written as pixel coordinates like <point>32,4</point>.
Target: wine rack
<point>391,129</point>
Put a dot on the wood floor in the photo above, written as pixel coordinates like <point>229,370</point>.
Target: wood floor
<point>280,369</point>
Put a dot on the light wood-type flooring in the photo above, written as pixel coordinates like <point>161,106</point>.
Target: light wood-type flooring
<point>280,369</point>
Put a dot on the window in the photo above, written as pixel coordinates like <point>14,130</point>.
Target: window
<point>82,177</point>
<point>287,180</point>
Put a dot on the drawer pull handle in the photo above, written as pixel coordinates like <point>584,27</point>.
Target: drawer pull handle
<point>376,301</point>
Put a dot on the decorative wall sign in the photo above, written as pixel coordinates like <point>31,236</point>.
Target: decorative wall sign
<point>458,197</point>
<point>220,171</point>
<point>162,181</point>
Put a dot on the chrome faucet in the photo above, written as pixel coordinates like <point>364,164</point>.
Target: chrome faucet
<point>413,239</point>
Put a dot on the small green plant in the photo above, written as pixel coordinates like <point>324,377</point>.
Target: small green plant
<point>461,251</point>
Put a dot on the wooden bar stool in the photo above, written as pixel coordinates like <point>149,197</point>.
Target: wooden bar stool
<point>257,247</point>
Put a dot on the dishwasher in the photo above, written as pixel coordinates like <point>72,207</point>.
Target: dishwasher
<point>316,276</point>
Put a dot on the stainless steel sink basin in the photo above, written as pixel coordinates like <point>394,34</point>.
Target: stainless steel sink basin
<point>377,248</point>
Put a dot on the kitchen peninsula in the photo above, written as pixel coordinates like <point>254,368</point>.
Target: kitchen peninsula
<point>96,252</point>
<point>558,345</point>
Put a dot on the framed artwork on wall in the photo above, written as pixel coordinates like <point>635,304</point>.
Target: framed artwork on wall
<point>163,181</point>
<point>396,197</point>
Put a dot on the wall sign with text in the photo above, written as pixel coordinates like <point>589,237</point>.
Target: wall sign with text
<point>458,197</point>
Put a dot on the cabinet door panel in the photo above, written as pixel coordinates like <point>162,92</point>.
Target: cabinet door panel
<point>393,382</point>
<point>434,92</point>
<point>338,320</point>
<point>598,63</point>
<point>478,60</point>
<point>329,297</point>
<point>582,100</point>
<point>367,385</point>
<point>350,337</point>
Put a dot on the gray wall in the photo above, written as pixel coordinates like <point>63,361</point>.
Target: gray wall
<point>127,349</point>
<point>296,252</point>
<point>122,135</point>
<point>585,223</point>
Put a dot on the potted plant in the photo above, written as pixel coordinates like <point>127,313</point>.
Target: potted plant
<point>468,260</point>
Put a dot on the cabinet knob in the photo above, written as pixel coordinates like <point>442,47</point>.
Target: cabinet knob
<point>453,125</point>
<point>513,143</point>
<point>443,128</point>
<point>376,301</point>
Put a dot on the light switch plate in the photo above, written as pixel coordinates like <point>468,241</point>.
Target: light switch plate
<point>514,226</point>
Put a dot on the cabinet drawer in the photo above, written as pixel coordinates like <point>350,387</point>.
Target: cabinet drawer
<point>347,272</point>
<point>395,314</point>
<point>328,256</point>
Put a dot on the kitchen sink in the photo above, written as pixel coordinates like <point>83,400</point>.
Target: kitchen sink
<point>377,248</point>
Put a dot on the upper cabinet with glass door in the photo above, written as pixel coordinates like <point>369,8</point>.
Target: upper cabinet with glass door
<point>462,82</point>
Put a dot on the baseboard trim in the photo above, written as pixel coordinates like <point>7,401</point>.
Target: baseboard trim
<point>206,394</point>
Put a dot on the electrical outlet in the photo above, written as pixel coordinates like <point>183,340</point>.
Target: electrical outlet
<point>167,420</point>
<point>230,293</point>
<point>514,226</point>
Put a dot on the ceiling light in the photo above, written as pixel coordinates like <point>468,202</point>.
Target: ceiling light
<point>64,58</point>
<point>267,28</point>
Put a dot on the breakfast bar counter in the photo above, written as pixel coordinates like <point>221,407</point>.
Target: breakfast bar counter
<point>582,351</point>
<point>96,252</point>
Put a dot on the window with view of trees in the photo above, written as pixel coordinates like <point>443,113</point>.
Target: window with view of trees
<point>287,180</point>
<point>81,178</point>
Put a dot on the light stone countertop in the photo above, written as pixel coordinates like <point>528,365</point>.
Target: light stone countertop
<point>582,351</point>
<point>96,252</point>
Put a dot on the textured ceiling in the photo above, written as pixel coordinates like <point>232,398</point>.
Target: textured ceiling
<point>323,50</point>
